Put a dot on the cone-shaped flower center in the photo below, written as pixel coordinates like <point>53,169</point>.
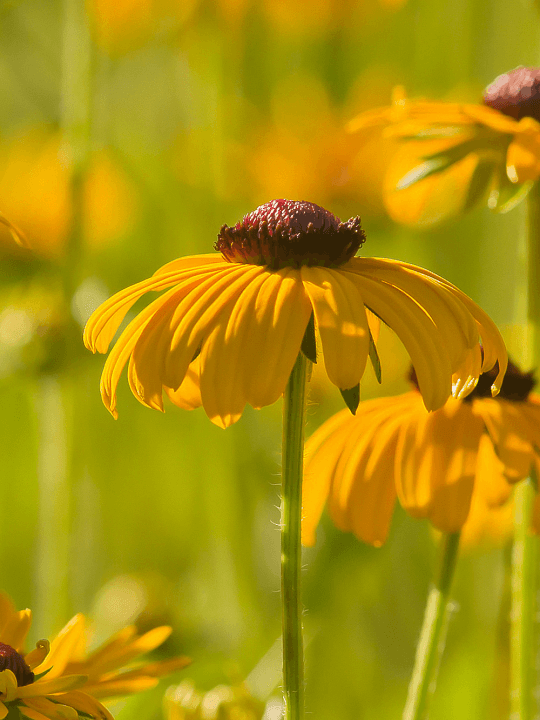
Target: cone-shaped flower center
<point>516,93</point>
<point>11,660</point>
<point>291,233</point>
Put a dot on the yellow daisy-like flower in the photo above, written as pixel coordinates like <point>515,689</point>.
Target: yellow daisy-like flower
<point>60,680</point>
<point>459,154</point>
<point>433,462</point>
<point>230,328</point>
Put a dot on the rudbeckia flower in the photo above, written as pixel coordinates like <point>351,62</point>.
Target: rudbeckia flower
<point>433,462</point>
<point>229,330</point>
<point>60,680</point>
<point>457,155</point>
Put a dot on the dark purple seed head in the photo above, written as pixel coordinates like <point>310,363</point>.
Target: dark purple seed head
<point>516,93</point>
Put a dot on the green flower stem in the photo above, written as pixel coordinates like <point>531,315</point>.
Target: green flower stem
<point>294,405</point>
<point>525,549</point>
<point>433,633</point>
<point>523,605</point>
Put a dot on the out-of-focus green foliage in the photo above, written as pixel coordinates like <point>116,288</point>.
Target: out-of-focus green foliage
<point>199,112</point>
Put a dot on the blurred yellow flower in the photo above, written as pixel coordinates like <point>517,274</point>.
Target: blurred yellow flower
<point>121,25</point>
<point>60,681</point>
<point>239,319</point>
<point>35,195</point>
<point>224,702</point>
<point>432,461</point>
<point>457,155</point>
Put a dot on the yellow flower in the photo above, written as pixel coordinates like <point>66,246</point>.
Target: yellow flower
<point>60,680</point>
<point>457,155</point>
<point>431,461</point>
<point>224,702</point>
<point>230,329</point>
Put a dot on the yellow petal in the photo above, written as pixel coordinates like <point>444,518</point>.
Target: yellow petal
<point>321,456</point>
<point>490,483</point>
<point>150,358</point>
<point>154,670</point>
<point>31,713</point>
<point>417,332</point>
<point>85,704</point>
<point>188,395</point>
<point>190,261</point>
<point>523,158</point>
<point>455,438</point>
<point>280,317</point>
<point>16,629</point>
<point>7,609</point>
<point>341,321</point>
<point>8,686</point>
<point>52,686</point>
<point>3,711</point>
<point>113,657</point>
<point>509,434</point>
<point>489,117</point>
<point>62,648</point>
<point>52,710</point>
<point>115,688</point>
<point>104,322</point>
<point>38,654</point>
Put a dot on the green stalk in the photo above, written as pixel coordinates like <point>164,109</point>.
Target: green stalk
<point>522,625</point>
<point>524,552</point>
<point>433,634</point>
<point>294,404</point>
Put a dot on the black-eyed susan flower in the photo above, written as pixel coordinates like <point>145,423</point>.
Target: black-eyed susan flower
<point>460,154</point>
<point>432,462</point>
<point>229,329</point>
<point>60,680</point>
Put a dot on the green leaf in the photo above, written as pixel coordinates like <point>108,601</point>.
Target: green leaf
<point>374,357</point>
<point>309,344</point>
<point>422,171</point>
<point>479,182</point>
<point>351,397</point>
<point>506,195</point>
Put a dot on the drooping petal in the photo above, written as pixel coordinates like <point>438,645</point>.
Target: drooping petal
<point>105,321</point>
<point>508,431</point>
<point>523,158</point>
<point>3,711</point>
<point>493,345</point>
<point>190,261</point>
<point>188,395</point>
<point>281,314</point>
<point>31,713</point>
<point>417,332</point>
<point>490,482</point>
<point>8,686</point>
<point>456,438</point>
<point>340,317</point>
<point>363,492</point>
<point>182,321</point>
<point>322,454</point>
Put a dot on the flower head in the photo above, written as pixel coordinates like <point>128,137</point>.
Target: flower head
<point>61,680</point>
<point>230,328</point>
<point>457,155</point>
<point>433,462</point>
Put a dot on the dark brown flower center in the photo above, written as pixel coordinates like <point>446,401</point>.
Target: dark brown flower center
<point>516,385</point>
<point>11,660</point>
<point>290,233</point>
<point>516,93</point>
